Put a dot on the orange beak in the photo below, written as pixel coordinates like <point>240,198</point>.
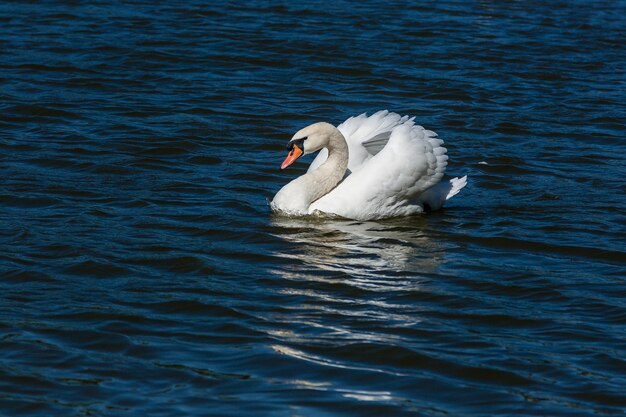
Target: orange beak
<point>294,154</point>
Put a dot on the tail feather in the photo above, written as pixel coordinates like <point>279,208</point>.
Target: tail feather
<point>457,185</point>
<point>435,197</point>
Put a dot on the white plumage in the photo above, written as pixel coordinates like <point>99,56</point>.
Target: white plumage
<point>394,168</point>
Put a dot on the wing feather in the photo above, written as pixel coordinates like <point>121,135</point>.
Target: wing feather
<point>366,136</point>
<point>390,181</point>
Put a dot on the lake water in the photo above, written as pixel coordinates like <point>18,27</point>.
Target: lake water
<point>142,272</point>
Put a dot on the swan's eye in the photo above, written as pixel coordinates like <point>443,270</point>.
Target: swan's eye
<point>299,143</point>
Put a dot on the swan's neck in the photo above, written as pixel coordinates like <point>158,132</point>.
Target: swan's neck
<point>322,180</point>
<point>297,196</point>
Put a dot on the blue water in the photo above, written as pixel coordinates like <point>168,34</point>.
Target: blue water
<point>142,273</point>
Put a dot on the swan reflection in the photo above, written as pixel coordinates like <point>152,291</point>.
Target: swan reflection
<point>371,252</point>
<point>349,282</point>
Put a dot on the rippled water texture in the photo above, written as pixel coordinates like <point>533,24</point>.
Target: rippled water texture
<point>143,274</point>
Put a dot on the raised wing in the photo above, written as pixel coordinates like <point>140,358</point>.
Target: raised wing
<point>366,137</point>
<point>390,182</point>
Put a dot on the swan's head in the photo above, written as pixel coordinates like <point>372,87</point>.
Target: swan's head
<point>308,140</point>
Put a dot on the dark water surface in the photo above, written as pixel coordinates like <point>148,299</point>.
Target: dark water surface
<point>143,274</point>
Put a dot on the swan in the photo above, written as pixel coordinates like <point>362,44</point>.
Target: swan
<point>368,168</point>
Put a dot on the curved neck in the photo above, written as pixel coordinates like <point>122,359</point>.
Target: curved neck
<point>322,180</point>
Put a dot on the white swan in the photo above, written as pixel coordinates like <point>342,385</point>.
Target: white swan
<point>369,168</point>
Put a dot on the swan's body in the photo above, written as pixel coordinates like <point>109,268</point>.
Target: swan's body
<point>369,168</point>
